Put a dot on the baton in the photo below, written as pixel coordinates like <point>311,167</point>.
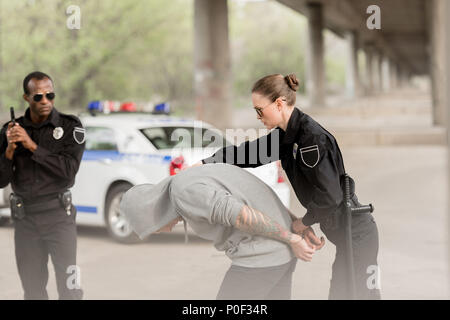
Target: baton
<point>349,210</point>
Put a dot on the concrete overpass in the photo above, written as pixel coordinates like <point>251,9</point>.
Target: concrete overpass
<point>410,42</point>
<point>414,39</point>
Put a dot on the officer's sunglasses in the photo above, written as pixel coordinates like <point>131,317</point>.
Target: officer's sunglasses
<point>38,96</point>
<point>259,111</point>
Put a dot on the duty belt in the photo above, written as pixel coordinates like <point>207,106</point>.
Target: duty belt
<point>42,204</point>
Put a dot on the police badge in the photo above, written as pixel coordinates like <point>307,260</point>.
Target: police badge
<point>310,155</point>
<point>294,151</point>
<point>79,134</point>
<point>58,132</point>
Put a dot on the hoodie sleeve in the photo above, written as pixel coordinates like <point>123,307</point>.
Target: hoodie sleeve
<point>202,202</point>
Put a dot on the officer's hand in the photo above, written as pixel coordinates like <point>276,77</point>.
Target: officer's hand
<point>194,165</point>
<point>298,227</point>
<point>312,239</point>
<point>300,248</point>
<point>18,134</point>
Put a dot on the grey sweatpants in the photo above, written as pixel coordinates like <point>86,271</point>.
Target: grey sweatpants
<point>270,283</point>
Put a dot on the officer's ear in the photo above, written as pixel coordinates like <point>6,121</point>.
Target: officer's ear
<point>279,102</point>
<point>26,98</point>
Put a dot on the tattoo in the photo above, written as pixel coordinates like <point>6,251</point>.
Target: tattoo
<point>255,222</point>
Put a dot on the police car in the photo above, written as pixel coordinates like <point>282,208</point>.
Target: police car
<point>125,149</point>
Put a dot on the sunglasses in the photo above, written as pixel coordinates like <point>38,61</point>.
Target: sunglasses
<point>259,111</point>
<point>38,96</point>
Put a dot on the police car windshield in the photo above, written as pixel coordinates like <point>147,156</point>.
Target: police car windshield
<point>184,137</point>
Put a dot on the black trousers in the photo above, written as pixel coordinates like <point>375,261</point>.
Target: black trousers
<point>270,283</point>
<point>38,236</point>
<point>365,252</point>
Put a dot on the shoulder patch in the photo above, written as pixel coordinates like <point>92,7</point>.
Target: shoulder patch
<point>79,135</point>
<point>310,155</point>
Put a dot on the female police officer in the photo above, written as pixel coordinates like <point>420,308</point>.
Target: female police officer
<point>313,163</point>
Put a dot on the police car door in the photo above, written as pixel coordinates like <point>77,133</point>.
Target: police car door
<point>96,172</point>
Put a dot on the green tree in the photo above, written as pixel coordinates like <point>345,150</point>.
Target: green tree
<point>266,38</point>
<point>142,50</point>
<point>124,49</point>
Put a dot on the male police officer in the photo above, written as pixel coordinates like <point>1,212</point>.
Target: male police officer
<point>40,154</point>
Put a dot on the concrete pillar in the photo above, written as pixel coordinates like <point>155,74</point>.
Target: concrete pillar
<point>369,81</point>
<point>352,77</point>
<point>212,62</point>
<point>315,85</point>
<point>447,106</point>
<point>393,75</point>
<point>438,59</point>
<point>378,72</point>
<point>402,76</point>
<point>374,69</point>
<point>385,72</point>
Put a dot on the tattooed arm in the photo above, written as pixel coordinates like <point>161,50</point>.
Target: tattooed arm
<point>255,222</point>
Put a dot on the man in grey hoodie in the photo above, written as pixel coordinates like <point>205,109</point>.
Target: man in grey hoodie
<point>239,213</point>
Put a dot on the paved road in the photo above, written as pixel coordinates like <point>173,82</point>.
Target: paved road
<point>406,184</point>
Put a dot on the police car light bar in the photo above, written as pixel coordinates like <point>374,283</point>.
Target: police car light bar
<point>94,107</point>
<point>107,106</point>
<point>162,108</point>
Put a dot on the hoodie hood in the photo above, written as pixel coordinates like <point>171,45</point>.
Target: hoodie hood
<point>148,207</point>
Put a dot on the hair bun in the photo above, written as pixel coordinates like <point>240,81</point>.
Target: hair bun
<point>292,81</point>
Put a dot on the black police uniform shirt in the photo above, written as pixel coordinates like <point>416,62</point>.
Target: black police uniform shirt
<point>310,156</point>
<point>51,169</point>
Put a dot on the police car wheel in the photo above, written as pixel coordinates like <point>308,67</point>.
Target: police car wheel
<point>118,227</point>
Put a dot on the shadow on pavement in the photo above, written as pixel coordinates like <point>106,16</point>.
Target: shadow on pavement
<point>175,237</point>
<point>100,233</point>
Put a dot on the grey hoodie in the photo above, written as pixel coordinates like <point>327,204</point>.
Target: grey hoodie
<point>209,198</point>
